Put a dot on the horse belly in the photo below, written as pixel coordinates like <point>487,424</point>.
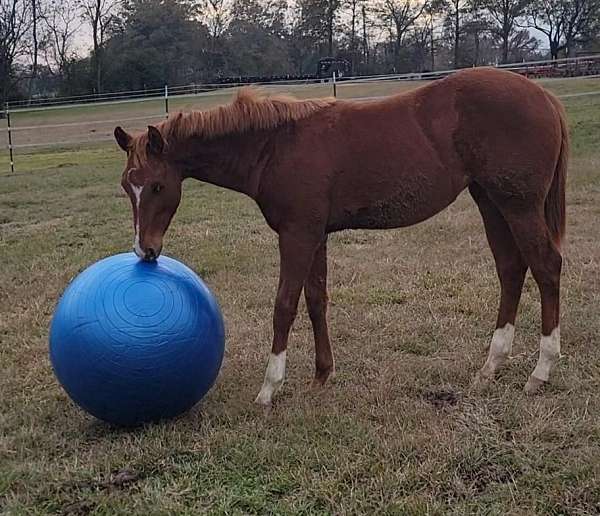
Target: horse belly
<point>412,201</point>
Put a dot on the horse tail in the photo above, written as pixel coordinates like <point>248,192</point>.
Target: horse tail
<point>554,207</point>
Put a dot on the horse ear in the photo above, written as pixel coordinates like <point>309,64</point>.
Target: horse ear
<point>156,143</point>
<point>123,139</point>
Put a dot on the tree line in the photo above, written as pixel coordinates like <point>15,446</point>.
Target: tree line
<point>141,44</point>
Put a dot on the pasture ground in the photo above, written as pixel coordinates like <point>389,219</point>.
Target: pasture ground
<point>398,431</point>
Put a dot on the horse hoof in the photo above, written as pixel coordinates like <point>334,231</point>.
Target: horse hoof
<point>265,408</point>
<point>317,383</point>
<point>481,381</point>
<point>533,385</point>
<point>322,377</point>
<point>263,400</point>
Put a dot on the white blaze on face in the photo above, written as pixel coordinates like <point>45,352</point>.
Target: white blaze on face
<point>137,193</point>
<point>500,349</point>
<point>274,377</point>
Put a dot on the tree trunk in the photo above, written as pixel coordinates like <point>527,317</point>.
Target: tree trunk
<point>97,65</point>
<point>353,37</point>
<point>365,39</point>
<point>99,70</point>
<point>570,47</point>
<point>397,47</point>
<point>432,48</point>
<point>4,81</point>
<point>505,45</point>
<point>456,32</point>
<point>330,35</point>
<point>506,29</point>
<point>34,34</point>
<point>553,50</point>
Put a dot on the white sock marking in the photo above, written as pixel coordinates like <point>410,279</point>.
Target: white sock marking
<point>500,349</point>
<point>274,376</point>
<point>549,354</point>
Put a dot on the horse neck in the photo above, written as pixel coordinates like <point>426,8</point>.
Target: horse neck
<point>235,162</point>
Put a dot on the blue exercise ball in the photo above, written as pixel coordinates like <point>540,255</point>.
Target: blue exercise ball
<point>134,341</point>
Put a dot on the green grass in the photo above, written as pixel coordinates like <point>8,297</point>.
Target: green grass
<point>398,431</point>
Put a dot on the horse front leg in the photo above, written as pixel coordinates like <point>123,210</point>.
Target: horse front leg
<point>296,257</point>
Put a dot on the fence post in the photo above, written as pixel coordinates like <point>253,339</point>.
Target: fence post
<point>10,145</point>
<point>334,85</point>
<point>166,101</point>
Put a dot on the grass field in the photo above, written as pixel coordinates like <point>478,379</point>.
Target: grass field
<point>398,431</point>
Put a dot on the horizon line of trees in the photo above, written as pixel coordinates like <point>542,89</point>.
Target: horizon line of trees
<point>138,44</point>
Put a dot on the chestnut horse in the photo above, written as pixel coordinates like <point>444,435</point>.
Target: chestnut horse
<point>319,166</point>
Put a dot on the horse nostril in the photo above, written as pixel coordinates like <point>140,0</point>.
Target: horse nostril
<point>150,254</point>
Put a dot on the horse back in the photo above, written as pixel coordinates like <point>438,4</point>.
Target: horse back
<point>400,160</point>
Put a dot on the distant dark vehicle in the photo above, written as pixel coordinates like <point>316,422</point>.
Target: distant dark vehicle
<point>328,65</point>
<point>2,115</point>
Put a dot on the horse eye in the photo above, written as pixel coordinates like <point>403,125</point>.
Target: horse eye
<point>156,187</point>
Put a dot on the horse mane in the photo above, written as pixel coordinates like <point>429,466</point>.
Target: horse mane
<point>249,111</point>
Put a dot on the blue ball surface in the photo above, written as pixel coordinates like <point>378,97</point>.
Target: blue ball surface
<point>134,341</point>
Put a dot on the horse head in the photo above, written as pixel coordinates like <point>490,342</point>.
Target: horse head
<point>153,184</point>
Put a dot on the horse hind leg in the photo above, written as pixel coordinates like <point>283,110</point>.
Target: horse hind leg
<point>542,255</point>
<point>511,269</point>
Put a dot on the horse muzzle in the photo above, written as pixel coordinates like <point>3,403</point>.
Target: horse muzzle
<point>148,254</point>
<point>151,254</point>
